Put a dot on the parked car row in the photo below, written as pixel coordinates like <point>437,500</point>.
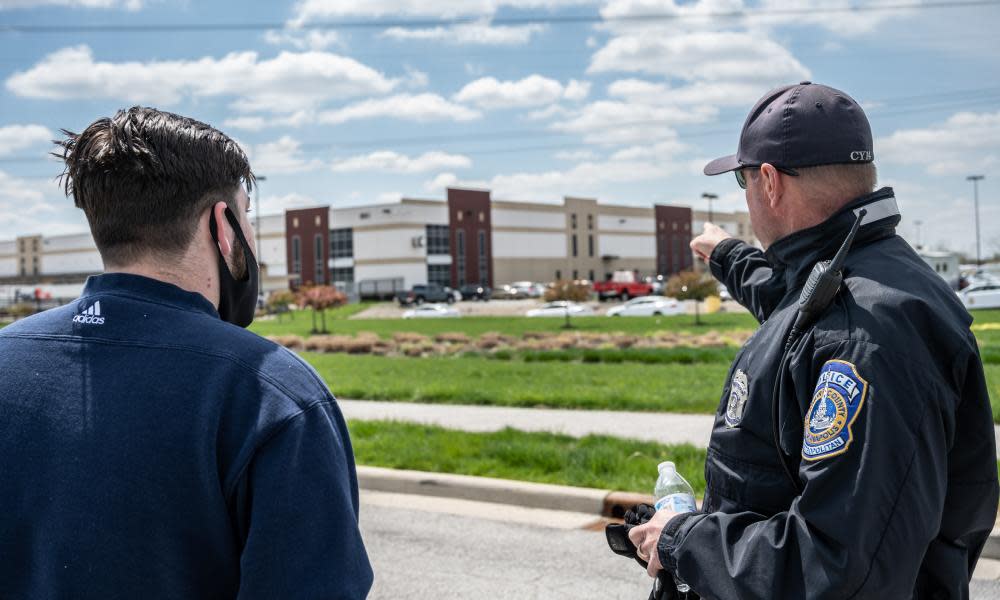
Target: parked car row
<point>981,295</point>
<point>433,292</point>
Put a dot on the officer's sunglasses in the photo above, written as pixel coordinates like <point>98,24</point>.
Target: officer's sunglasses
<point>741,177</point>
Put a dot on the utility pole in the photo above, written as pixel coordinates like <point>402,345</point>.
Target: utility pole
<point>710,197</point>
<point>918,223</point>
<point>256,210</point>
<point>975,179</point>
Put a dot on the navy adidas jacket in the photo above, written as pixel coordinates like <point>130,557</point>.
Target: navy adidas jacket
<point>883,419</point>
<point>150,450</point>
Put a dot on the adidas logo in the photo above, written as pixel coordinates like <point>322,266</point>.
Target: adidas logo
<point>91,316</point>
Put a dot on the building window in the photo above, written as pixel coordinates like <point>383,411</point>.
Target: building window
<point>437,239</point>
<point>576,274</point>
<point>590,222</point>
<point>342,277</point>
<point>460,256</point>
<point>482,217</point>
<point>484,266</point>
<point>591,275</point>
<point>572,220</point>
<point>574,246</point>
<point>675,253</point>
<point>590,245</point>
<point>439,274</point>
<point>295,222</point>
<point>342,243</point>
<point>558,274</point>
<point>296,255</point>
<point>318,261</point>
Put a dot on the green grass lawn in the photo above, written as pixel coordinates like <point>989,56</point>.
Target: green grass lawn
<point>601,462</point>
<point>692,388</point>
<point>688,388</point>
<point>594,461</point>
<point>516,326</point>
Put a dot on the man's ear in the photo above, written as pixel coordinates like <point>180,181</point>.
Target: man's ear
<point>772,185</point>
<point>222,228</point>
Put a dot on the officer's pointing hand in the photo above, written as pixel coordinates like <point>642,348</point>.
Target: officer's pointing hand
<point>646,536</point>
<point>710,237</point>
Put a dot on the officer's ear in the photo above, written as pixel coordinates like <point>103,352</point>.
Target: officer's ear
<point>772,185</point>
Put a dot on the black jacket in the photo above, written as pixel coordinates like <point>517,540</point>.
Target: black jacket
<point>884,419</point>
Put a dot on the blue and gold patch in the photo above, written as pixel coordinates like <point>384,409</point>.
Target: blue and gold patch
<point>840,394</point>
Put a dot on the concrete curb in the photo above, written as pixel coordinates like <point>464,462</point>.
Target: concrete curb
<point>529,495</point>
<point>501,491</point>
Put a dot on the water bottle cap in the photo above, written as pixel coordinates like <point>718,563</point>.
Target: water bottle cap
<point>667,466</point>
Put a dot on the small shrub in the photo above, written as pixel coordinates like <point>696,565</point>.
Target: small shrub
<point>408,337</point>
<point>452,338</point>
<point>292,342</point>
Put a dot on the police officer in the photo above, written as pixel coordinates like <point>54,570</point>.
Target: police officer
<point>151,446</point>
<point>860,461</point>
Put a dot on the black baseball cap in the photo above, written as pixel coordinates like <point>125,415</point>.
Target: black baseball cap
<point>802,125</point>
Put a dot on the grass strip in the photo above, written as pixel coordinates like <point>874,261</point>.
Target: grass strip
<point>652,356</point>
<point>694,388</point>
<point>594,461</point>
<point>515,326</point>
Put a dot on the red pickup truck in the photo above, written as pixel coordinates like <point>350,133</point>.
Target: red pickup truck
<point>622,285</point>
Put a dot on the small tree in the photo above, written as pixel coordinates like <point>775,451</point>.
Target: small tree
<point>688,285</point>
<point>320,298</point>
<point>278,302</point>
<point>567,290</point>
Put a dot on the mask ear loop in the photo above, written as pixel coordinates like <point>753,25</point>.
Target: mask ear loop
<point>212,228</point>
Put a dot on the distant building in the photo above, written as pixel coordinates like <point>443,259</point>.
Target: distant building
<point>945,264</point>
<point>467,238</point>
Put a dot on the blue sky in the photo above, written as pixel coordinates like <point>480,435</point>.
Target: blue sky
<point>620,108</point>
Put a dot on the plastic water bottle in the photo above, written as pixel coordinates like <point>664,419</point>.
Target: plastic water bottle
<point>673,492</point>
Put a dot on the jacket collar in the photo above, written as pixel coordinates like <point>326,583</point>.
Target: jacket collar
<point>145,288</point>
<point>797,252</point>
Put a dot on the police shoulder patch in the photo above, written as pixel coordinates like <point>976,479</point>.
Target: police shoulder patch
<point>840,393</point>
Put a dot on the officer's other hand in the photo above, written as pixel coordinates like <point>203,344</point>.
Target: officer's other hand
<point>710,237</point>
<point>646,536</point>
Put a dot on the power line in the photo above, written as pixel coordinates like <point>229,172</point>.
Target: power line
<point>472,20</point>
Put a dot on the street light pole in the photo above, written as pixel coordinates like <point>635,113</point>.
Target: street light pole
<point>710,197</point>
<point>256,210</point>
<point>975,179</point>
<point>918,224</point>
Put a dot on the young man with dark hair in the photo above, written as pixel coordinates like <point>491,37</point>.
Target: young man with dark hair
<point>151,446</point>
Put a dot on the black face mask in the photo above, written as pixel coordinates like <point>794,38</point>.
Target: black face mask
<point>237,299</point>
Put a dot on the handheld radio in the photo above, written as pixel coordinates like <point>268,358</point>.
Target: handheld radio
<point>817,294</point>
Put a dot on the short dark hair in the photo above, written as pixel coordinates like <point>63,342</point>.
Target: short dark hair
<point>144,176</point>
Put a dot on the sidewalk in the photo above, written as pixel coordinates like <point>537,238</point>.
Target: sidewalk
<point>665,428</point>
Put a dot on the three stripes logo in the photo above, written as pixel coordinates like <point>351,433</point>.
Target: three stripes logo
<point>91,316</point>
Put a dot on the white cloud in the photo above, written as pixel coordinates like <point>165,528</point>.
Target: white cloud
<point>699,56</point>
<point>442,182</point>
<point>966,142</point>
<point>18,137</point>
<point>388,161</point>
<point>130,5</point>
<point>481,33</point>
<point>281,156</point>
<point>408,107</point>
<point>576,155</point>
<point>313,10</point>
<point>610,122</point>
<point>278,204</point>
<point>833,15</point>
<point>312,39</point>
<point>591,177</point>
<point>534,90</point>
<point>35,205</point>
<point>553,110</point>
<point>283,84</point>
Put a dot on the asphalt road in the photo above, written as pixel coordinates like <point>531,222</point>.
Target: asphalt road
<point>500,553</point>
